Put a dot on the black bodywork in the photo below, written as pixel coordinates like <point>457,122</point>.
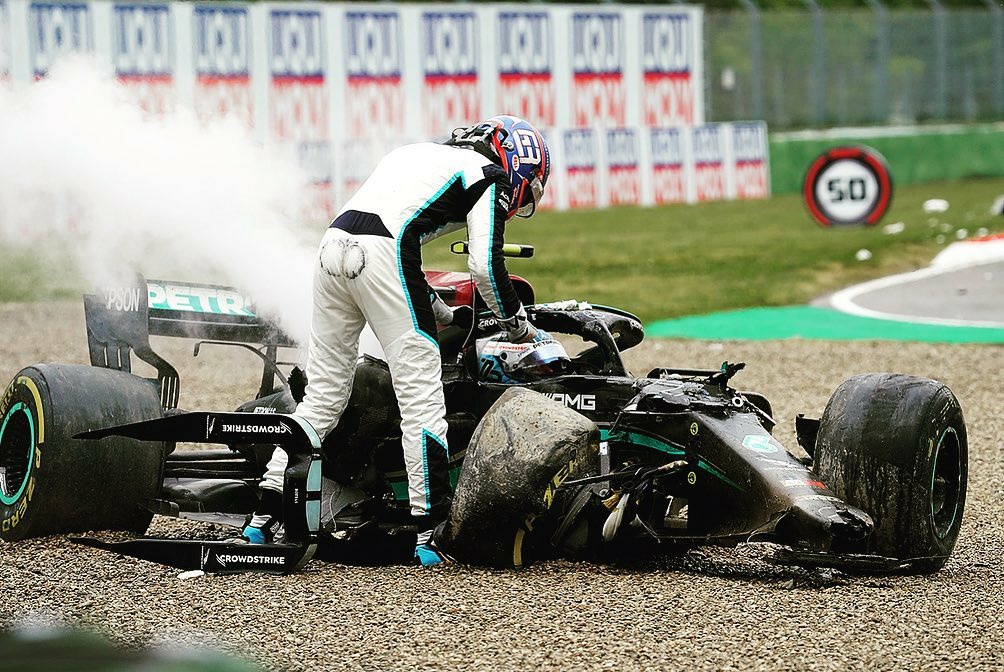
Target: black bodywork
<point>687,456</point>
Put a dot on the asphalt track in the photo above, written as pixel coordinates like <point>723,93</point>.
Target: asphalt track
<point>969,296</point>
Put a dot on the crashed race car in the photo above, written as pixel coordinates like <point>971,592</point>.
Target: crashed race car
<point>576,459</point>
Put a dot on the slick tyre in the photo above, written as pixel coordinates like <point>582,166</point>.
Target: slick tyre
<point>51,483</point>
<point>896,446</point>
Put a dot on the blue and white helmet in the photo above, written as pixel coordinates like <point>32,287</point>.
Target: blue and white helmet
<point>500,361</point>
<point>522,152</point>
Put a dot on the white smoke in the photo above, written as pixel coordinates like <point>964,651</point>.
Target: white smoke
<point>84,171</point>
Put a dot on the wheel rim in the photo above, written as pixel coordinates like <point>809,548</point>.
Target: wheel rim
<point>17,448</point>
<point>946,482</point>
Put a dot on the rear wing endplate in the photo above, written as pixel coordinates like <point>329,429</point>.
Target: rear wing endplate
<point>120,320</point>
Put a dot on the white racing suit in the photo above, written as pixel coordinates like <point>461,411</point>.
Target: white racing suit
<point>369,270</point>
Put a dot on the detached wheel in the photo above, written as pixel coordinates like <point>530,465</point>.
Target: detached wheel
<point>51,483</point>
<point>896,446</point>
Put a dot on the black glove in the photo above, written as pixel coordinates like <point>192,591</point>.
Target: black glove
<point>463,317</point>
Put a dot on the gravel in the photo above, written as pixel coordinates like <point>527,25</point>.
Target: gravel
<point>712,609</point>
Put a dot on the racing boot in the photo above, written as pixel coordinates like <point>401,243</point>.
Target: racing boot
<point>427,552</point>
<point>266,524</point>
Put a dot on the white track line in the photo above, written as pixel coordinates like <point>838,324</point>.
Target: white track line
<point>844,299</point>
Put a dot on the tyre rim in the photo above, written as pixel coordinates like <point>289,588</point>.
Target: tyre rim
<point>17,448</point>
<point>946,482</point>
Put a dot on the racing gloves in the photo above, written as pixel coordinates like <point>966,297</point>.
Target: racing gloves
<point>518,328</point>
<point>461,316</point>
<point>442,311</point>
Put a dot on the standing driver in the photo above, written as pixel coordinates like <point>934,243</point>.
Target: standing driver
<point>369,271</point>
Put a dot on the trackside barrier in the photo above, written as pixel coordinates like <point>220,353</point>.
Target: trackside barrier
<point>618,90</point>
<point>915,153</point>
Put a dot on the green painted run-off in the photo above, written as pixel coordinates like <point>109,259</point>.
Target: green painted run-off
<point>764,324</point>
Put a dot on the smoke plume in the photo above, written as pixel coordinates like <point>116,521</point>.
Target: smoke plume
<point>84,172</point>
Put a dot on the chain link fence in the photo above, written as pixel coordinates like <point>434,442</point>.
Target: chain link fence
<point>819,68</point>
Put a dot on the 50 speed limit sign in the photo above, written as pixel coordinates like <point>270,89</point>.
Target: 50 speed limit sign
<point>847,186</point>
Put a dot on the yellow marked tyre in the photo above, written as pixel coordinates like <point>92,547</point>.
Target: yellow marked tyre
<point>51,483</point>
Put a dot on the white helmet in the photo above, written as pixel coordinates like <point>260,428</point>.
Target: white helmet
<point>500,361</point>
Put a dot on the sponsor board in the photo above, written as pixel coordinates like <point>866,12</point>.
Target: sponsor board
<point>525,65</point>
<point>375,102</point>
<point>749,152</point>
<point>271,66</point>
<point>298,97</point>
<point>668,86</point>
<point>55,30</point>
<point>298,104</point>
<point>358,157</point>
<point>708,144</point>
<point>579,146</point>
<point>669,177</point>
<point>143,53</point>
<point>450,96</point>
<point>316,160</point>
<point>196,299</point>
<point>598,93</point>
<point>550,198</point>
<point>221,52</point>
<point>623,185</point>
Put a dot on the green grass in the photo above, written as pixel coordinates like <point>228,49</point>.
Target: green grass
<point>692,259</point>
<point>24,276</point>
<point>676,260</point>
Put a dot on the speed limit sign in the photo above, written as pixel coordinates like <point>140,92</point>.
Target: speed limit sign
<point>847,186</point>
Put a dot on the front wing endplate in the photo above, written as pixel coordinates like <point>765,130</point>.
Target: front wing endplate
<point>212,557</point>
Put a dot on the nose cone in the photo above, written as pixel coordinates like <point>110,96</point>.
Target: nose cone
<point>824,525</point>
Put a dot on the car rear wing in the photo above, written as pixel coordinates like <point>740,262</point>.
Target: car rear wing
<point>120,320</point>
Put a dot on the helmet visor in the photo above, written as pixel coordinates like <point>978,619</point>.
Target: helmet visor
<point>539,360</point>
<point>531,197</point>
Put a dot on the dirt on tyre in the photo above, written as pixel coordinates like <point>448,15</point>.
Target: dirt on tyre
<point>896,446</point>
<point>508,492</point>
<point>51,483</point>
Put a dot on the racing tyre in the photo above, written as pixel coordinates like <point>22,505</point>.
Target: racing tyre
<point>51,483</point>
<point>896,446</point>
<point>509,493</point>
